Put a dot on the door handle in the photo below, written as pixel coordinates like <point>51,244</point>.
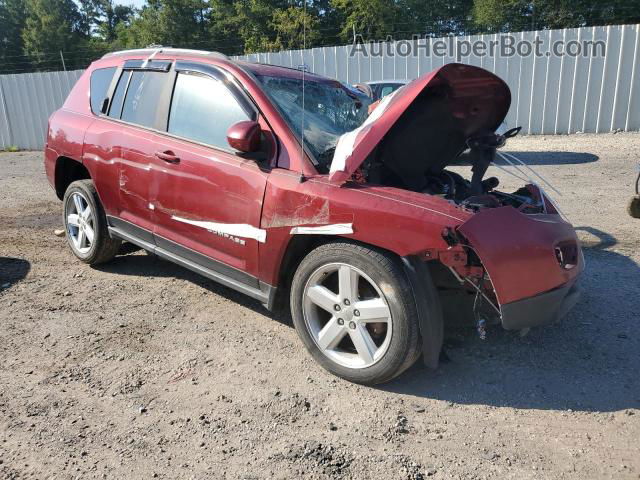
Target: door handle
<point>168,156</point>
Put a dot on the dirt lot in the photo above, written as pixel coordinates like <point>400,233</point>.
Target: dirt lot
<point>141,369</point>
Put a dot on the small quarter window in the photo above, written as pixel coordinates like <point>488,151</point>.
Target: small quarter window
<point>100,81</point>
<point>203,109</point>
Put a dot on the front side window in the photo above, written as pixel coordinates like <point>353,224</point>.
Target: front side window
<point>142,98</point>
<point>100,82</point>
<point>203,109</point>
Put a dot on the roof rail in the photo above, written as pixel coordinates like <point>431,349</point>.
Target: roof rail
<point>160,49</point>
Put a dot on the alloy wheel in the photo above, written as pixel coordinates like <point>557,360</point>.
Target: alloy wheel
<point>347,315</point>
<point>80,222</point>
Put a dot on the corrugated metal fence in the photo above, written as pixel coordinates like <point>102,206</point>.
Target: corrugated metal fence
<point>26,102</point>
<point>552,94</point>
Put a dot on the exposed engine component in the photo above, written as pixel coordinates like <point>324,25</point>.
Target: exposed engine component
<point>475,194</point>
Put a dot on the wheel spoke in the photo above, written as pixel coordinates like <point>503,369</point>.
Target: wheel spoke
<point>73,220</point>
<point>88,231</point>
<point>323,297</point>
<point>348,283</point>
<point>77,200</point>
<point>373,310</point>
<point>363,342</point>
<point>86,213</point>
<point>331,334</point>
<point>80,239</point>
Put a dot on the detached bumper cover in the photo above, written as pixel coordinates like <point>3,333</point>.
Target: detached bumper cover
<point>541,309</point>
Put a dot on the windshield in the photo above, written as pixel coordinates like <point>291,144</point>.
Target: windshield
<point>330,110</point>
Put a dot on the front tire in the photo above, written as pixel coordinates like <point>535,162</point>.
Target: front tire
<point>353,308</point>
<point>86,224</point>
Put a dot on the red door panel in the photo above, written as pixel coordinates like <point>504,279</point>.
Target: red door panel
<point>209,202</point>
<point>134,176</point>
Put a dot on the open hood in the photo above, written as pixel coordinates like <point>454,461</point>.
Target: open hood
<point>425,125</point>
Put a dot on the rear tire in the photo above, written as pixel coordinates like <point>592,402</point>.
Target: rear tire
<point>634,207</point>
<point>86,224</point>
<point>353,309</point>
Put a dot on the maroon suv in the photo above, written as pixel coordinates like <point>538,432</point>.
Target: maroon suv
<point>276,182</point>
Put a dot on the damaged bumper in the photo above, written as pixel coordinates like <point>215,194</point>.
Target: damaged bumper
<point>533,262</point>
<point>542,309</point>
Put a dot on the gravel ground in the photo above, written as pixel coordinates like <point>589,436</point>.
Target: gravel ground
<point>141,369</point>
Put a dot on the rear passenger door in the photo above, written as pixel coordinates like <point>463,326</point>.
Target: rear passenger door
<point>140,102</point>
<point>207,199</point>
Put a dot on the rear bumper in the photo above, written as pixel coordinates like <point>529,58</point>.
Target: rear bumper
<point>541,309</point>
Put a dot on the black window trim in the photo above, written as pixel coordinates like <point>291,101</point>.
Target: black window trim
<point>152,65</point>
<point>164,107</point>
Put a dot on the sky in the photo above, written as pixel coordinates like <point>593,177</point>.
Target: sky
<point>135,3</point>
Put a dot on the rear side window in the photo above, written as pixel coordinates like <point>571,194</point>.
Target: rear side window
<point>118,96</point>
<point>203,109</point>
<point>100,81</point>
<point>142,98</point>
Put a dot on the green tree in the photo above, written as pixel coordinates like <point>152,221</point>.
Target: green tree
<point>438,17</point>
<point>246,24</point>
<point>167,22</point>
<point>89,11</point>
<point>12,14</point>
<point>52,26</point>
<point>110,17</point>
<point>518,15</point>
<point>294,28</point>
<point>373,19</point>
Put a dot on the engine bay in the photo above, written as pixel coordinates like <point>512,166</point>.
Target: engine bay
<point>454,187</point>
<point>475,193</point>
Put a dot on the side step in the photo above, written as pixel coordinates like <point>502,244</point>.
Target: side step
<point>265,294</point>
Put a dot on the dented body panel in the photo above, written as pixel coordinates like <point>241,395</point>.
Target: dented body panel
<point>520,254</point>
<point>233,218</point>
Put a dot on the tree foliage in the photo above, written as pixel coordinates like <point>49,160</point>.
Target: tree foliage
<point>33,33</point>
<point>518,15</point>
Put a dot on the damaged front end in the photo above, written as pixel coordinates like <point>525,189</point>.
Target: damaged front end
<point>511,267</point>
<point>515,259</point>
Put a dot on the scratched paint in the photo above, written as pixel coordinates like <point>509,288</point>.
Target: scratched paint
<point>241,230</point>
<point>335,229</point>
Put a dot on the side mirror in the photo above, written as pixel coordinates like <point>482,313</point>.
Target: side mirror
<point>244,136</point>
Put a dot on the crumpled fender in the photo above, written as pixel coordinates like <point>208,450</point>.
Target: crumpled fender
<point>518,251</point>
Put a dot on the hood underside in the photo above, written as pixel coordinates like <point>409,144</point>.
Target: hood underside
<point>425,125</point>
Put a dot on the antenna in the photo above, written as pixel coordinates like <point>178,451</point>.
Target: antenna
<point>304,68</point>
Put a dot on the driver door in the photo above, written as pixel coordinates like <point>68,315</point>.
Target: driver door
<point>207,200</point>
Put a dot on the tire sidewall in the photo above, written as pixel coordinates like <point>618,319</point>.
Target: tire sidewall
<point>634,207</point>
<point>402,330</point>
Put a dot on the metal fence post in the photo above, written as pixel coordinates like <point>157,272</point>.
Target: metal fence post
<point>5,116</point>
